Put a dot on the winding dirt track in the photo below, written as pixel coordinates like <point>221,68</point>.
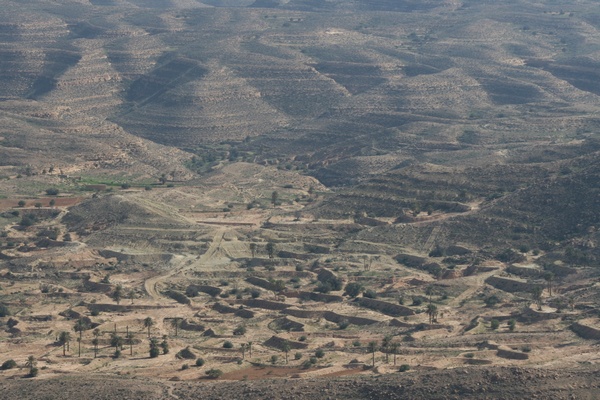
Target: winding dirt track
<point>181,264</point>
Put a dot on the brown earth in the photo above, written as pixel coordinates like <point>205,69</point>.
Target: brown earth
<point>459,383</point>
<point>45,201</point>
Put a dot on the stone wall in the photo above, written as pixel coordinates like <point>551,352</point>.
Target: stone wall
<point>138,258</point>
<point>209,290</point>
<point>188,325</point>
<point>560,270</point>
<point>524,271</point>
<point>245,313</point>
<point>585,331</point>
<point>329,316</point>
<point>263,283</point>
<point>224,309</point>
<point>278,343</point>
<point>286,324</point>
<point>510,285</point>
<point>265,304</point>
<point>297,256</point>
<point>394,310</point>
<point>122,307</point>
<point>178,297</point>
<point>324,298</point>
<point>97,286</point>
<point>507,352</point>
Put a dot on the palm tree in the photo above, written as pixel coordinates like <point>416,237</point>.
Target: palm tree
<point>385,347</point>
<point>132,295</point>
<point>154,350</point>
<point>117,295</point>
<point>549,277</point>
<point>165,345</point>
<point>31,363</point>
<point>130,337</point>
<point>394,348</point>
<point>116,341</point>
<point>96,341</point>
<point>243,347</point>
<point>372,347</point>
<point>175,322</point>
<point>64,338</point>
<point>80,326</point>
<point>286,349</point>
<point>536,294</point>
<point>271,249</point>
<point>429,291</point>
<point>148,323</point>
<point>432,311</point>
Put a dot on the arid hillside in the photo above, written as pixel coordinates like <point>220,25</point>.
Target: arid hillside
<point>299,199</point>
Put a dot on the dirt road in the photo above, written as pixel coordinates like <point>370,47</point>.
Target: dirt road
<point>181,263</point>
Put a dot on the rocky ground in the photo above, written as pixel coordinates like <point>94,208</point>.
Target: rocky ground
<point>460,383</point>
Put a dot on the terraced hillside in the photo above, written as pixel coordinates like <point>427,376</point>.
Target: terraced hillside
<point>222,278</point>
<point>255,189</point>
<point>188,73</point>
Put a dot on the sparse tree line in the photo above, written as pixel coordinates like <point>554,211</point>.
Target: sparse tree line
<point>157,347</point>
<point>270,249</point>
<point>116,339</point>
<point>352,289</point>
<point>30,364</point>
<point>387,346</point>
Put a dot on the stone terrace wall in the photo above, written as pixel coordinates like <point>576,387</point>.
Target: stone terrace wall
<point>139,258</point>
<point>97,286</point>
<point>510,285</point>
<point>287,324</point>
<point>394,310</point>
<point>585,331</point>
<point>178,297</point>
<point>191,326</point>
<point>265,304</point>
<point>209,290</point>
<point>325,298</point>
<point>524,271</point>
<point>507,352</point>
<point>224,309</point>
<point>278,342</point>
<point>122,307</point>
<point>329,316</point>
<point>263,283</point>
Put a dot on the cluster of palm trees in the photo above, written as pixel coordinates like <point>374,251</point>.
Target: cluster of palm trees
<point>116,341</point>
<point>246,347</point>
<point>432,310</point>
<point>32,365</point>
<point>64,338</point>
<point>119,293</point>
<point>387,347</point>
